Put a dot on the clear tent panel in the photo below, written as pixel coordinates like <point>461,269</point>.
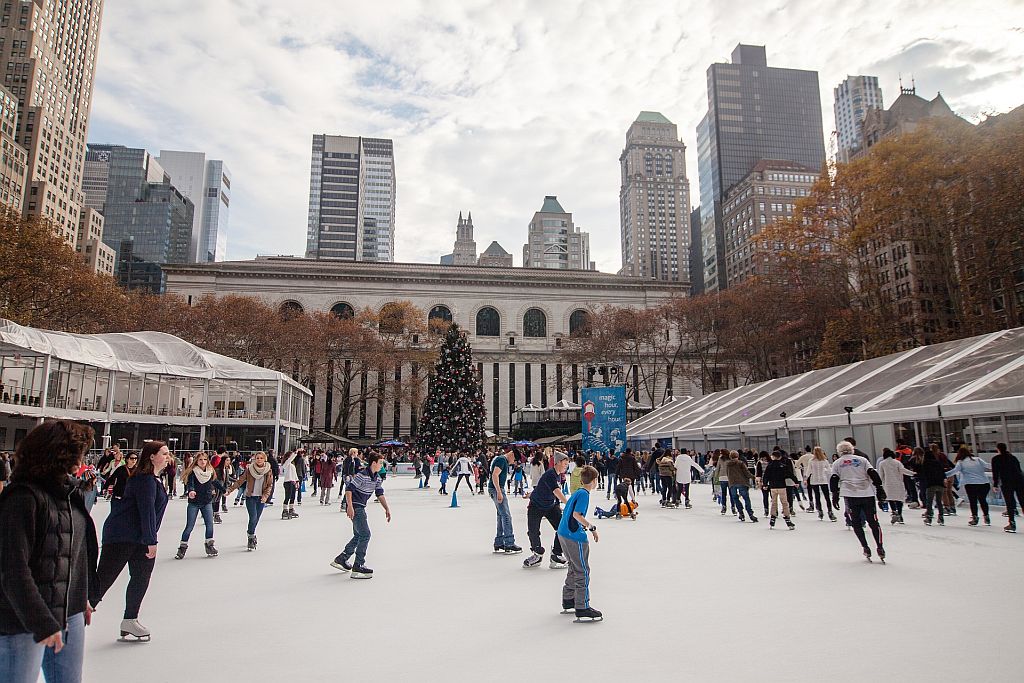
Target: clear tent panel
<point>1009,385</point>
<point>698,417</point>
<point>958,374</point>
<point>665,422</point>
<point>736,411</point>
<point>911,364</point>
<point>788,396</point>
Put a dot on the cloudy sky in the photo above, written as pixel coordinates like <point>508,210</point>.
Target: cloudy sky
<point>494,104</point>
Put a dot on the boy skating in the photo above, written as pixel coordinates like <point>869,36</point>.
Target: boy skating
<point>544,500</point>
<point>365,483</point>
<point>572,535</point>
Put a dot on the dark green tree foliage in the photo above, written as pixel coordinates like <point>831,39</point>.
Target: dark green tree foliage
<point>454,413</point>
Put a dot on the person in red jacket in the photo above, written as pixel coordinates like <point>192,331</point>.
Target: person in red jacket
<point>328,470</point>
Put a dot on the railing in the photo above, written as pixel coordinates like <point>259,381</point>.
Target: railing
<point>20,397</point>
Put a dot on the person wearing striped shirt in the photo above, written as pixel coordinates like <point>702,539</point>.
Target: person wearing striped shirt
<point>364,483</point>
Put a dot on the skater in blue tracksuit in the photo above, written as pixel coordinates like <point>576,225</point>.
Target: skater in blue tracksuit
<point>572,536</point>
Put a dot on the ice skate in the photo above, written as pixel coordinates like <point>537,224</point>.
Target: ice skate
<point>942,521</point>
<point>894,518</point>
<point>867,554</point>
<point>499,549</point>
<point>532,561</point>
<point>568,607</point>
<point>210,550</point>
<point>789,523</point>
<point>742,518</point>
<point>754,519</point>
<point>899,519</point>
<point>292,514</point>
<point>341,562</point>
<point>182,549</point>
<point>587,614</point>
<point>216,518</point>
<point>771,523</point>
<point>557,562</point>
<point>881,554</point>
<point>512,549</point>
<point>723,511</point>
<point>927,520</point>
<point>1010,528</point>
<point>284,514</point>
<point>361,572</point>
<point>973,521</point>
<point>134,632</point>
<point>252,542</point>
<point>688,506</point>
<point>988,520</point>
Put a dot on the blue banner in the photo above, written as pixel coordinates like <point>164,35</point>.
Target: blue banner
<point>604,419</point>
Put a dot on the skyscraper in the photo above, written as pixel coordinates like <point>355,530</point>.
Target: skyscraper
<point>754,112</point>
<point>654,201</point>
<point>12,165</point>
<point>554,241</point>
<point>48,48</point>
<point>146,220</point>
<point>207,183</point>
<point>351,199</point>
<point>853,97</point>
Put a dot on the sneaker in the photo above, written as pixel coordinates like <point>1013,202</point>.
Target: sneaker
<point>557,562</point>
<point>512,549</point>
<point>362,572</point>
<point>341,562</point>
<point>532,561</point>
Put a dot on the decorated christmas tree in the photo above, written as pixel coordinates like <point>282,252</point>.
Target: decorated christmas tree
<point>453,415</point>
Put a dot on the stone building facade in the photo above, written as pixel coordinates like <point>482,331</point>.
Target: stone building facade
<point>517,320</point>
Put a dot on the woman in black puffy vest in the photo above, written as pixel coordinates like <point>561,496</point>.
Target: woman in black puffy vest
<point>48,555</point>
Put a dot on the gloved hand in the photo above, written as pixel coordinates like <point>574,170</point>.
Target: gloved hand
<point>835,500</point>
<point>880,494</point>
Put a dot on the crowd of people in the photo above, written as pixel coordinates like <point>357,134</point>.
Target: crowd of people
<point>57,568</point>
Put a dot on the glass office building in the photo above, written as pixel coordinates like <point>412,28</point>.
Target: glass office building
<point>754,112</point>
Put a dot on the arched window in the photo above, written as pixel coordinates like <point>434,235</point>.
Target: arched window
<point>391,319</point>
<point>290,309</point>
<point>579,324</point>
<point>535,324</point>
<point>488,322</point>
<point>343,310</point>
<point>439,318</point>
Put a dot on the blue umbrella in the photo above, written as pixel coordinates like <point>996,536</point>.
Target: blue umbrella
<point>391,442</point>
<point>528,444</point>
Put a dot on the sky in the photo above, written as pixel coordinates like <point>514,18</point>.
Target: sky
<point>494,104</point>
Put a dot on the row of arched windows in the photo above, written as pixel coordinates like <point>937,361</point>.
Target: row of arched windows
<point>488,320</point>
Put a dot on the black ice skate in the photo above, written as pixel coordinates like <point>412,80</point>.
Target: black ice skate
<point>210,550</point>
<point>1010,528</point>
<point>771,523</point>
<point>587,614</point>
<point>881,554</point>
<point>790,524</point>
<point>182,549</point>
<point>216,518</point>
<point>867,554</point>
<point>557,562</point>
<point>341,562</point>
<point>133,632</point>
<point>252,542</point>
<point>568,607</point>
<point>362,572</point>
<point>512,549</point>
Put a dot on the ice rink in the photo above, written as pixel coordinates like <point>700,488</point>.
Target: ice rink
<point>687,595</point>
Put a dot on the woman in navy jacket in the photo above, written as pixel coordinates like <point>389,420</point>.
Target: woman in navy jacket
<point>201,488</point>
<point>129,536</point>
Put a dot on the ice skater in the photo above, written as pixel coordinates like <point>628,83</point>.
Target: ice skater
<point>779,469</point>
<point>856,480</point>
<point>572,535</point>
<point>818,472</point>
<point>463,470</point>
<point>892,472</point>
<point>256,482</point>
<point>504,538</point>
<point>201,488</point>
<point>685,464</point>
<point>130,537</point>
<point>544,504</point>
<point>1007,477</point>
<point>364,484</point>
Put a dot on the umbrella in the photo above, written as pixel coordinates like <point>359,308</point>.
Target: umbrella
<point>528,444</point>
<point>392,442</point>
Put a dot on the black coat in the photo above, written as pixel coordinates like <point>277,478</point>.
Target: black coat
<point>776,472</point>
<point>37,593</point>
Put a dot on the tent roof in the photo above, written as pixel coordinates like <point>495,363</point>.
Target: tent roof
<point>983,374</point>
<point>138,352</point>
<point>320,436</point>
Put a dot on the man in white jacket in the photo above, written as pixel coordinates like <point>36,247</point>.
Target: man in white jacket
<point>684,475</point>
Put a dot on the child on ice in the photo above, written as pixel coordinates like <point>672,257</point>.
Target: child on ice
<point>572,536</point>
<point>444,482</point>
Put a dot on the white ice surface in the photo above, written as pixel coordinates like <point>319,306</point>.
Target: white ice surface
<point>687,595</point>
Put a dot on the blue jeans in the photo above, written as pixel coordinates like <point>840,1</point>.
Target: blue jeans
<point>612,479</point>
<point>726,491</point>
<point>360,537</point>
<point>191,513</point>
<point>254,506</point>
<point>739,491</point>
<point>503,536</point>
<point>21,658</point>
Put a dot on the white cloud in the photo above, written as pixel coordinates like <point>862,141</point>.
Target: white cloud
<point>492,105</point>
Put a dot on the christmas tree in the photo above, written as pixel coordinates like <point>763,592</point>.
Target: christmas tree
<point>453,415</point>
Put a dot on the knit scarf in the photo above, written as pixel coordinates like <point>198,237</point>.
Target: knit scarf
<point>202,476</point>
<point>258,471</point>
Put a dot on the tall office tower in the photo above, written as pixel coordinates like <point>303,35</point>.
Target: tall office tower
<point>207,183</point>
<point>695,256</point>
<point>351,199</point>
<point>12,166</point>
<point>146,220</point>
<point>49,49</point>
<point>464,252</point>
<point>754,112</point>
<point>654,201</point>
<point>853,98</point>
<point>554,242</point>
